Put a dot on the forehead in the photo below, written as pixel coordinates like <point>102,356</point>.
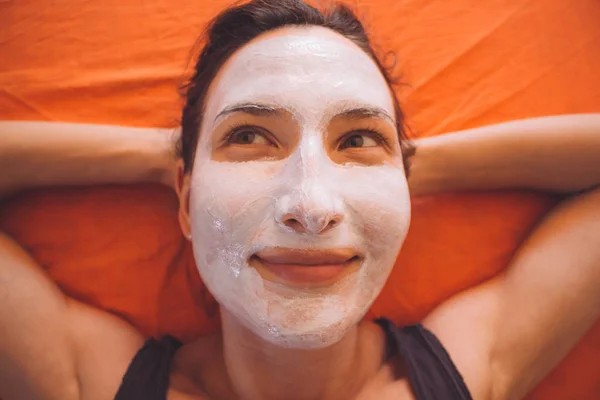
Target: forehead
<point>307,70</point>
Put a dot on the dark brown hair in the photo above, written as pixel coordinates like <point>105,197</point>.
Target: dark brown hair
<point>238,25</point>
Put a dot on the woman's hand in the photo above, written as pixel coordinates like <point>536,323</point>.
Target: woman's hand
<point>168,172</point>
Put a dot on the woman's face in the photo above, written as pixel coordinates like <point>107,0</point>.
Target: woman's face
<point>298,202</point>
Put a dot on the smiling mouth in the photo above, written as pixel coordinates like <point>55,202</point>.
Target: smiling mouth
<point>305,268</point>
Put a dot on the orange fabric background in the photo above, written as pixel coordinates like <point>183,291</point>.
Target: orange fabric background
<point>464,63</point>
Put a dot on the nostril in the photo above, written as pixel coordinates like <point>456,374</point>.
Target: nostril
<point>330,225</point>
<point>294,224</point>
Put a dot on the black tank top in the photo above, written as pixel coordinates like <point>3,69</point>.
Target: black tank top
<point>431,373</point>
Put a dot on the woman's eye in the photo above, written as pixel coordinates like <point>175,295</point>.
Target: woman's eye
<point>357,141</point>
<point>247,136</point>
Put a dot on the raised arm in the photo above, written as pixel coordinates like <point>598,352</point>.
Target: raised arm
<point>34,154</point>
<point>507,334</point>
<point>52,347</point>
<point>558,154</point>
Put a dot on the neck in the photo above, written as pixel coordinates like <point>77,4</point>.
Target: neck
<point>261,370</point>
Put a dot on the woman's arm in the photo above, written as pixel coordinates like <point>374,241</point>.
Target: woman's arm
<point>509,333</point>
<point>69,358</point>
<point>34,154</point>
<point>557,154</point>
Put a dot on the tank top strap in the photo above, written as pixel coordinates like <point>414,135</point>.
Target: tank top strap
<point>147,377</point>
<point>431,373</point>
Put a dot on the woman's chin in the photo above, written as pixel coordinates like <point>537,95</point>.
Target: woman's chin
<point>307,320</point>
<point>298,337</point>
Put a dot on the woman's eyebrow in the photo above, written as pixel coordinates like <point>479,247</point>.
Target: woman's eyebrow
<point>365,112</point>
<point>255,109</point>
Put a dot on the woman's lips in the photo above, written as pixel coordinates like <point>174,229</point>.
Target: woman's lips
<point>303,267</point>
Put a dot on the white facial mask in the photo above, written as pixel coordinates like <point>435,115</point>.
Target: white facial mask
<point>237,208</point>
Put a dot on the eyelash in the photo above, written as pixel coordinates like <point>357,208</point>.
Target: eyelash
<point>378,137</point>
<point>228,139</point>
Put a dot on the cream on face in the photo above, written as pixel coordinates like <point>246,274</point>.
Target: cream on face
<point>239,209</point>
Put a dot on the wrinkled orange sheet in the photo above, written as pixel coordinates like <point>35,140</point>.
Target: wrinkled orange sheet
<point>465,63</point>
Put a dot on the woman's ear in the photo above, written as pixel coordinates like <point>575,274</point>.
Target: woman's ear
<point>182,187</point>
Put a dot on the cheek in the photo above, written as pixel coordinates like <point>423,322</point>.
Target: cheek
<point>385,229</point>
<point>381,208</point>
<point>229,191</point>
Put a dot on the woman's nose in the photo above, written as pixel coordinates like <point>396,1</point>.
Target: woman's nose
<point>315,221</point>
<point>312,209</point>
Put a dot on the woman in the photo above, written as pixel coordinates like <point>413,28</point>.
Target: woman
<point>293,192</point>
